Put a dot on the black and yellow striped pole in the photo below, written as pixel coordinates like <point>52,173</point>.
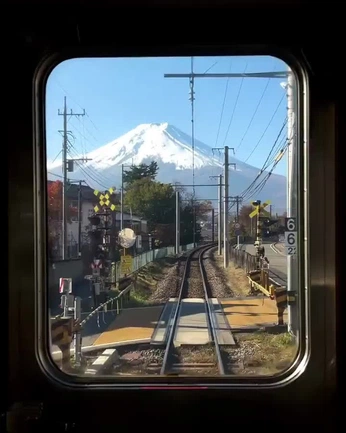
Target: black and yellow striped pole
<point>258,243</point>
<point>258,234</point>
<point>104,208</point>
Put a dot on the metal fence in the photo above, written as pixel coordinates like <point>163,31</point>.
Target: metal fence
<point>150,256</point>
<point>243,259</point>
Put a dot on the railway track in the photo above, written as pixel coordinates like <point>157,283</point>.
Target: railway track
<point>194,358</point>
<point>184,350</point>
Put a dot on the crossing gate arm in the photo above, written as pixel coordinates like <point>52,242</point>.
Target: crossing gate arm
<point>270,293</point>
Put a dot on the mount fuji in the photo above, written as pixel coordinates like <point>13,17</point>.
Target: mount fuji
<point>172,150</point>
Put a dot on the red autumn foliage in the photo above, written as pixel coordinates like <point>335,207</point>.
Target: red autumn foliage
<point>54,214</point>
<point>55,203</point>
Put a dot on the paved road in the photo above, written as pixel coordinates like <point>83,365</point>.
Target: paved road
<point>277,259</point>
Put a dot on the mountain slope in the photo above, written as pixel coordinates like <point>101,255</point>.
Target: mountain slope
<point>172,150</point>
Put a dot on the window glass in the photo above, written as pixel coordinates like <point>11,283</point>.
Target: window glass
<point>172,212</point>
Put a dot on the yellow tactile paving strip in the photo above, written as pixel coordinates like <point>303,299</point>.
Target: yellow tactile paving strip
<point>131,324</point>
<point>251,312</point>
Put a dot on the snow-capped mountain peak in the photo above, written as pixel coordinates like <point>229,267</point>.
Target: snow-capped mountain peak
<point>172,150</point>
<point>157,141</point>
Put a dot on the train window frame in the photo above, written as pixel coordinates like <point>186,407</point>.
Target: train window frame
<point>43,355</point>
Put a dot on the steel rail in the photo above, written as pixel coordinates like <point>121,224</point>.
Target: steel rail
<point>210,313</point>
<point>177,310</point>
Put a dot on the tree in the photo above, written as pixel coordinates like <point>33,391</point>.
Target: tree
<point>192,209</point>
<point>203,209</point>
<point>55,203</point>
<point>152,200</point>
<point>244,219</point>
<point>141,171</point>
<point>155,202</point>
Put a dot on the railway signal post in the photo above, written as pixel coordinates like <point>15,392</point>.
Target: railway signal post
<point>259,208</point>
<point>102,261</point>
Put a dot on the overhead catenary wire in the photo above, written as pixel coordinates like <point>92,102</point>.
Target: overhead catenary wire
<point>261,185</point>
<point>223,106</point>
<point>250,191</point>
<point>265,130</point>
<point>266,163</point>
<point>252,188</point>
<point>254,114</point>
<point>235,106</point>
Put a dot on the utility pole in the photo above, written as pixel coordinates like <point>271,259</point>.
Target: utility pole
<point>64,170</point>
<point>80,219</point>
<point>226,204</point>
<point>292,200</point>
<point>177,222</point>
<point>225,212</point>
<point>219,218</point>
<point>219,215</point>
<point>212,224</point>
<point>237,200</point>
<point>122,198</point>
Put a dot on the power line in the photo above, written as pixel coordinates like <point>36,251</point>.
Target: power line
<point>270,121</point>
<point>53,174</point>
<point>211,67</point>
<point>275,142</point>
<point>223,106</point>
<point>261,185</point>
<point>235,106</point>
<point>264,166</point>
<point>95,173</point>
<point>254,114</point>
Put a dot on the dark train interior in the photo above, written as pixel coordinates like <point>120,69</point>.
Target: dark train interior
<point>39,36</point>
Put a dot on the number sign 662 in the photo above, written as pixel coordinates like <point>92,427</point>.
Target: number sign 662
<point>290,242</point>
<point>290,224</point>
<point>291,239</point>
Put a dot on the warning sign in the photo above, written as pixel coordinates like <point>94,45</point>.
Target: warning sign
<point>126,264</point>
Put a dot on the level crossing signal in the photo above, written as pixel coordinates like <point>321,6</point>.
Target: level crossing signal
<point>259,208</point>
<point>104,199</point>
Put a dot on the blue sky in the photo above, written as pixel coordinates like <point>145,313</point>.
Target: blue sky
<point>119,94</point>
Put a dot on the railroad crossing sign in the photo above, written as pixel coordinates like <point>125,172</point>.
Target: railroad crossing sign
<point>126,264</point>
<point>260,208</point>
<point>104,199</point>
